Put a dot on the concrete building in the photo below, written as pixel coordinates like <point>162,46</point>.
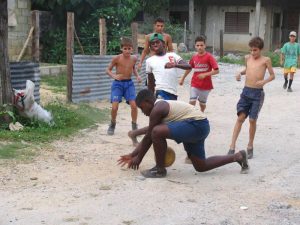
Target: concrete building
<point>240,20</point>
<point>19,23</point>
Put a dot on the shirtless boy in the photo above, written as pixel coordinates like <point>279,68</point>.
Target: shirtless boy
<point>252,96</point>
<point>159,25</point>
<point>123,86</point>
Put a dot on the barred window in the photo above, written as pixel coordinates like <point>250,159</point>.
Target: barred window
<point>237,22</point>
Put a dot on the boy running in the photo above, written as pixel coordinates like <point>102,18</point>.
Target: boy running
<point>123,86</point>
<point>204,66</point>
<point>289,57</point>
<point>252,97</point>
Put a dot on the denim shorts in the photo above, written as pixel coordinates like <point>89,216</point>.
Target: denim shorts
<point>192,133</point>
<point>250,102</point>
<point>122,88</point>
<point>160,94</point>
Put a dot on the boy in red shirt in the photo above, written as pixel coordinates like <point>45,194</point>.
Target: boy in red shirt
<point>204,66</point>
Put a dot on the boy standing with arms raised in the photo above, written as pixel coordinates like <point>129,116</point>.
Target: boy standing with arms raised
<point>290,55</point>
<point>122,85</point>
<point>204,66</point>
<point>252,97</point>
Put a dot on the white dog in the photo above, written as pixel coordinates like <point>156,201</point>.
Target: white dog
<point>25,103</point>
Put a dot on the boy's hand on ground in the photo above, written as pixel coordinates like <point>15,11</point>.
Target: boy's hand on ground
<point>124,159</point>
<point>169,65</point>
<point>238,77</point>
<point>134,163</point>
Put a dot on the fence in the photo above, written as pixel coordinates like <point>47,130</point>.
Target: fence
<point>22,71</point>
<point>90,81</point>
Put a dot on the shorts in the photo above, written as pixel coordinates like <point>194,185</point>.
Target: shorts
<point>160,94</point>
<point>200,94</point>
<point>192,133</point>
<point>250,102</point>
<point>292,69</point>
<point>122,88</point>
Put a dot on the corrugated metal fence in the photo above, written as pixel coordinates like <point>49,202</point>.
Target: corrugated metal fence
<point>90,81</point>
<point>22,71</point>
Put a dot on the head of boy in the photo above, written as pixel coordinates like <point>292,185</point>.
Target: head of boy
<point>292,36</point>
<point>157,43</point>
<point>159,25</point>
<point>126,46</point>
<point>200,44</point>
<point>256,44</point>
<point>145,101</point>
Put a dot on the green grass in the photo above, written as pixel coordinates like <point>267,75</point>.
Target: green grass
<point>57,84</point>
<point>16,151</point>
<point>68,120</point>
<point>226,59</point>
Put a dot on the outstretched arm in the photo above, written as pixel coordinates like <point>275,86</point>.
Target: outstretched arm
<point>181,65</point>
<point>145,52</point>
<point>170,44</point>
<point>151,82</point>
<point>110,67</point>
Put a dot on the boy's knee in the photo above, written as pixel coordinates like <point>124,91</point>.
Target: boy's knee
<point>156,133</point>
<point>241,119</point>
<point>114,108</point>
<point>252,121</point>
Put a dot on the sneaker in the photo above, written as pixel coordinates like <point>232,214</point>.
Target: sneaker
<point>250,153</point>
<point>230,152</point>
<point>289,90</point>
<point>285,85</point>
<point>154,173</point>
<point>111,128</point>
<point>244,162</point>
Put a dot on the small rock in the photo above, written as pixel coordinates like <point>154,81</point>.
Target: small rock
<point>140,178</point>
<point>33,178</point>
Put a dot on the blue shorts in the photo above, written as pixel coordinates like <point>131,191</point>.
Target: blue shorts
<point>160,94</point>
<point>192,133</point>
<point>250,102</point>
<point>122,88</point>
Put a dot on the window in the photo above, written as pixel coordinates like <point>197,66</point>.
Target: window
<point>237,22</point>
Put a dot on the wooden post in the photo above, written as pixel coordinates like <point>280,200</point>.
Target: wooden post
<point>134,34</point>
<point>5,81</point>
<point>25,44</point>
<point>70,52</point>
<point>102,36</point>
<point>221,44</point>
<point>35,51</point>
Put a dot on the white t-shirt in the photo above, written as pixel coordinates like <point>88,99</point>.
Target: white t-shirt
<point>165,79</point>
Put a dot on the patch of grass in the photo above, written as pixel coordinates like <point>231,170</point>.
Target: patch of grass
<point>68,120</point>
<point>187,56</point>
<point>275,58</point>
<point>57,84</point>
<point>16,150</point>
<point>226,59</point>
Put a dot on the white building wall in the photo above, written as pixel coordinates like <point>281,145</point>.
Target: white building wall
<point>232,42</point>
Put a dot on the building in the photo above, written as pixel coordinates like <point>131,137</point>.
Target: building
<point>240,20</point>
<point>19,23</point>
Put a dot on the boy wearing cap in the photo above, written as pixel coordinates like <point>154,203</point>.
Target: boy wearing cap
<point>289,58</point>
<point>159,25</point>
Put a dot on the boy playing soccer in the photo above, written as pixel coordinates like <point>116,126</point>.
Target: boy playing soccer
<point>290,55</point>
<point>252,97</point>
<point>204,66</point>
<point>123,86</point>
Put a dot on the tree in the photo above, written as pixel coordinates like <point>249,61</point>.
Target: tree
<point>5,82</point>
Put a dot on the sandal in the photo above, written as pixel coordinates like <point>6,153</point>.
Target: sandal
<point>244,162</point>
<point>230,152</point>
<point>250,153</point>
<point>154,173</point>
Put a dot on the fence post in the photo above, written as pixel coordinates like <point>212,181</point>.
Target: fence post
<point>70,52</point>
<point>102,36</point>
<point>134,34</point>
<point>221,44</point>
<point>35,51</point>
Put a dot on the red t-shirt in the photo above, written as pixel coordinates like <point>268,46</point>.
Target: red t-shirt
<point>202,64</point>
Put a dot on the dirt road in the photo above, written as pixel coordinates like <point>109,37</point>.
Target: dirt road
<point>77,181</point>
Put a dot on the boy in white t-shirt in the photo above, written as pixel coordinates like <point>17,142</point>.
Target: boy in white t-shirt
<point>161,69</point>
